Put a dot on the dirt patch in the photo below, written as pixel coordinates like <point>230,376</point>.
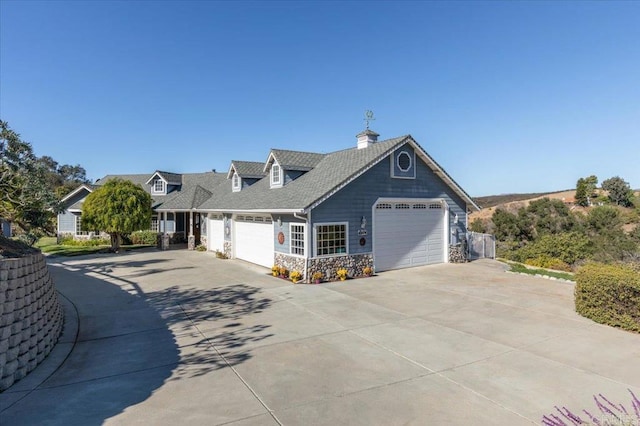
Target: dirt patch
<point>13,248</point>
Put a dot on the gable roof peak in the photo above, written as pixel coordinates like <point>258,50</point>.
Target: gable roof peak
<point>170,178</point>
<point>293,160</point>
<point>246,169</point>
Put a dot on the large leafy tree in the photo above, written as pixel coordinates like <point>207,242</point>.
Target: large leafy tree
<point>585,190</point>
<point>550,216</point>
<point>25,196</point>
<point>62,178</point>
<point>619,191</point>
<point>118,207</point>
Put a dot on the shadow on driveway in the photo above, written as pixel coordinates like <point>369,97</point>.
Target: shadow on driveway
<point>130,343</point>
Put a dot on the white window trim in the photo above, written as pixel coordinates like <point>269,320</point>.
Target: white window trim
<point>236,185</point>
<point>153,187</point>
<point>315,239</point>
<point>394,162</point>
<point>304,239</point>
<point>279,182</point>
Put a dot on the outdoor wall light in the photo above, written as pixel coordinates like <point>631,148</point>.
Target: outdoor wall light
<point>363,222</point>
<point>279,222</point>
<point>455,219</point>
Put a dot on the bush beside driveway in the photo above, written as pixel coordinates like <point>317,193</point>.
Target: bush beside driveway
<point>443,344</point>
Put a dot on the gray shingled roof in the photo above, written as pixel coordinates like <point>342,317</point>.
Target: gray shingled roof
<point>196,189</point>
<point>187,197</point>
<point>175,178</point>
<point>139,179</point>
<point>330,172</point>
<point>326,173</point>
<point>249,169</point>
<point>297,160</point>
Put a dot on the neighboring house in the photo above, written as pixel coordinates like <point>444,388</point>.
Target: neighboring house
<point>385,204</point>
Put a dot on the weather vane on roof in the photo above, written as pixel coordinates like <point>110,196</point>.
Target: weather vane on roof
<point>368,114</point>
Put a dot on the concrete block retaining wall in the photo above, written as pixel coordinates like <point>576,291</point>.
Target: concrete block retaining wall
<point>31,317</point>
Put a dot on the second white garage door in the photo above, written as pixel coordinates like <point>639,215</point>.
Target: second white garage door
<point>253,240</point>
<point>408,233</point>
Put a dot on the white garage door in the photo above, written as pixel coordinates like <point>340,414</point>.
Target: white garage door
<point>253,240</point>
<point>215,233</point>
<point>408,233</point>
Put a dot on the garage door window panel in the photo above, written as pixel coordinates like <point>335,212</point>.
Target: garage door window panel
<point>331,239</point>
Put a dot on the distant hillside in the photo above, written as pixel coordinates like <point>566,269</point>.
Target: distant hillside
<point>496,200</point>
<point>512,202</point>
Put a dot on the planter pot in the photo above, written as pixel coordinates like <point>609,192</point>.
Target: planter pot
<point>294,281</point>
<point>275,274</point>
<point>317,281</point>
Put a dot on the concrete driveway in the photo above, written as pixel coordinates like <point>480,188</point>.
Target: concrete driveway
<point>181,337</point>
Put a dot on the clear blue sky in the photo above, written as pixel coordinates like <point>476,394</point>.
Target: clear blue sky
<point>506,96</point>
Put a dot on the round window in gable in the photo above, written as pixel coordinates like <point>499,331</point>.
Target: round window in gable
<point>404,161</point>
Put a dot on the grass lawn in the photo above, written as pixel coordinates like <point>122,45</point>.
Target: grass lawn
<point>48,245</point>
<point>518,267</point>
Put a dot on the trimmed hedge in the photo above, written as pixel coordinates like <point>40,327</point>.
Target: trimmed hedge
<point>144,237</point>
<point>609,294</point>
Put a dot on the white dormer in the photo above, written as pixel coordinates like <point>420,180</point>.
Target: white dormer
<point>277,175</point>
<point>236,182</point>
<point>160,182</point>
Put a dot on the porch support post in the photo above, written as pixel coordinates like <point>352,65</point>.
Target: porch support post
<point>165,236</point>
<point>191,241</point>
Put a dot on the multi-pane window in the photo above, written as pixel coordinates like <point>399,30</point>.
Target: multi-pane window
<point>79,225</point>
<point>276,178</point>
<point>236,182</point>
<point>79,230</point>
<point>158,186</point>
<point>154,224</point>
<point>331,239</point>
<point>296,239</point>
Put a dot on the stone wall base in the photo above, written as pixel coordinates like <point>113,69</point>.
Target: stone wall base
<point>328,266</point>
<point>457,253</point>
<point>228,249</point>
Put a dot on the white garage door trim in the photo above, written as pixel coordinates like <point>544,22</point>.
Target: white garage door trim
<point>409,232</point>
<point>215,233</point>
<point>253,239</point>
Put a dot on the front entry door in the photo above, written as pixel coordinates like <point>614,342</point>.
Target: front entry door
<point>196,227</point>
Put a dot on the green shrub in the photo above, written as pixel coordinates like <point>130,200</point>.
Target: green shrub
<point>609,294</point>
<point>144,237</point>
<point>569,248</point>
<point>68,240</point>
<point>548,262</point>
<point>200,247</point>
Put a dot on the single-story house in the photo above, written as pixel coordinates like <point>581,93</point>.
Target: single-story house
<point>383,204</point>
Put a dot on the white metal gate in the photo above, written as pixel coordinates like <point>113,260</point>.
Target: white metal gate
<point>481,246</point>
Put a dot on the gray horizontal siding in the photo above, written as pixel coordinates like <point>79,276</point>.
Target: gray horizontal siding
<point>66,223</point>
<point>285,229</point>
<point>354,201</point>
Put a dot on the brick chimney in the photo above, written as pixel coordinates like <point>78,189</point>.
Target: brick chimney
<point>367,138</point>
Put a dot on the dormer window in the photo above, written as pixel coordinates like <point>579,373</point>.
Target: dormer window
<point>158,186</point>
<point>236,182</point>
<point>276,175</point>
